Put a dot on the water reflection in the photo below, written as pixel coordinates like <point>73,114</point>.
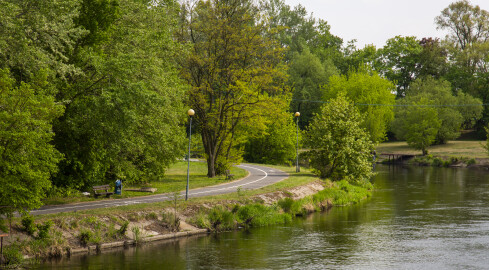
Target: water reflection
<point>418,218</point>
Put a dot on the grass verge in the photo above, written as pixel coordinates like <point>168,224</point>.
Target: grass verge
<point>175,179</point>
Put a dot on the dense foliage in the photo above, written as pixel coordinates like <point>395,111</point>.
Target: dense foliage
<point>96,90</point>
<point>373,96</point>
<point>339,147</point>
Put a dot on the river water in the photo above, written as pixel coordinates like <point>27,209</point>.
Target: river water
<point>417,218</point>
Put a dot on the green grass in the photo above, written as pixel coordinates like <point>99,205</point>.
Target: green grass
<point>175,179</point>
<point>294,180</point>
<point>466,149</point>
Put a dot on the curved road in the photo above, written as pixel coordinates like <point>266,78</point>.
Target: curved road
<point>258,177</point>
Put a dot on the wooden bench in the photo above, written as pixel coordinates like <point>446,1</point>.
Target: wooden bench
<point>105,188</point>
<point>229,176</point>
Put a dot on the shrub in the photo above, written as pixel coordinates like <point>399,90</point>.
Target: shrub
<point>85,237</point>
<point>471,161</point>
<point>43,230</point>
<point>137,234</point>
<point>258,215</point>
<point>123,229</point>
<point>12,255</point>
<point>152,216</point>
<point>201,220</point>
<point>437,162</point>
<point>172,220</point>
<point>28,225</point>
<point>286,204</point>
<point>221,219</point>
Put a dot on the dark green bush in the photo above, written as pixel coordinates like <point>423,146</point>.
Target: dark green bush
<point>28,225</point>
<point>12,255</point>
<point>437,162</point>
<point>43,230</point>
<point>471,161</point>
<point>85,237</point>
<point>123,229</point>
<point>221,219</point>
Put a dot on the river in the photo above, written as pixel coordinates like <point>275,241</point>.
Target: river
<point>417,218</point>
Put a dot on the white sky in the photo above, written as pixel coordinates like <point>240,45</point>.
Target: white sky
<point>376,21</point>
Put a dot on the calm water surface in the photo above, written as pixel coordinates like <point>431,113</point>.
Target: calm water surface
<point>418,218</point>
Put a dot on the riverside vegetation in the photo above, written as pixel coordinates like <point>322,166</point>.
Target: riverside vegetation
<point>58,235</point>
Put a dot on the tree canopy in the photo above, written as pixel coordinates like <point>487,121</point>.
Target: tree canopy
<point>28,159</point>
<point>373,95</point>
<point>233,68</point>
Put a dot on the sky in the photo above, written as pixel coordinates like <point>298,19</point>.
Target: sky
<point>376,21</point>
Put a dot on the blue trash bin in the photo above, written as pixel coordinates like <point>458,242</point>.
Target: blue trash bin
<point>118,187</point>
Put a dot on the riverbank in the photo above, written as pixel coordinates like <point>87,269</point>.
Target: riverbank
<point>451,154</point>
<point>92,231</point>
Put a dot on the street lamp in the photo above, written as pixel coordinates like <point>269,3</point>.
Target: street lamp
<point>297,168</point>
<point>190,114</point>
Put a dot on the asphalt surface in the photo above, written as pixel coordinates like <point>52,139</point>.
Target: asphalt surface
<point>258,177</point>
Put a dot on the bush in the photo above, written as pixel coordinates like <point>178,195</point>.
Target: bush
<point>172,221</point>
<point>123,229</point>
<point>258,215</point>
<point>152,216</point>
<point>221,219</point>
<point>201,220</point>
<point>28,225</point>
<point>44,229</point>
<point>12,255</point>
<point>471,161</point>
<point>85,237</point>
<point>437,162</point>
<point>286,204</point>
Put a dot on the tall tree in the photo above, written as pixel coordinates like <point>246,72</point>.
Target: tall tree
<point>467,24</point>
<point>398,61</point>
<point>125,107</point>
<point>38,35</point>
<point>233,68</point>
<point>27,156</point>
<point>372,93</point>
<point>306,77</point>
<point>468,48</point>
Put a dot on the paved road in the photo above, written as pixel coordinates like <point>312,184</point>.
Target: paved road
<point>258,177</point>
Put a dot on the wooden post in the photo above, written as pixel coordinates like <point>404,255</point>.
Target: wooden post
<point>2,235</point>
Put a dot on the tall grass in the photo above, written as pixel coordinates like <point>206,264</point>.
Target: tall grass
<point>220,218</point>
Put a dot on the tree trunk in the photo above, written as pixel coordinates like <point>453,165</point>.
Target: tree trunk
<point>211,167</point>
<point>210,151</point>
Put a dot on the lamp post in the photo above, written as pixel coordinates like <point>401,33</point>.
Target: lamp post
<point>297,168</point>
<point>190,114</point>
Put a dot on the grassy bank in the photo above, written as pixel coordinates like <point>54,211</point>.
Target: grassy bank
<point>61,234</point>
<point>451,154</point>
<point>464,149</point>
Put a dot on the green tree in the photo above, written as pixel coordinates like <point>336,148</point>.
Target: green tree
<point>306,76</point>
<point>125,106</point>
<point>27,156</point>
<point>468,50</point>
<point>276,145</point>
<point>37,35</point>
<point>467,24</point>
<point>339,147</point>
<point>451,112</point>
<point>234,69</point>
<point>418,125</point>
<point>398,61</point>
<point>373,95</point>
